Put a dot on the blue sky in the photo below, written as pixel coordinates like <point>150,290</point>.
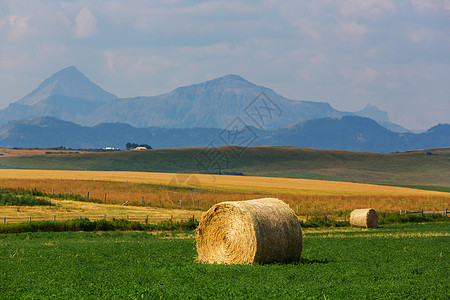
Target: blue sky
<point>392,54</point>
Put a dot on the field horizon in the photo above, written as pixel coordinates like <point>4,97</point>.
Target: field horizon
<point>427,167</point>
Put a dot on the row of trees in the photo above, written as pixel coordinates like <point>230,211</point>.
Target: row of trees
<point>134,145</point>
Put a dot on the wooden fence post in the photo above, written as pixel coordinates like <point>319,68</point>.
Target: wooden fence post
<point>104,217</point>
<point>170,219</point>
<point>88,195</point>
<point>193,218</point>
<point>198,203</point>
<point>142,200</point>
<point>30,219</point>
<point>4,220</point>
<point>159,200</point>
<point>445,212</point>
<point>406,211</point>
<point>127,218</point>
<point>105,197</point>
<point>297,208</point>
<point>146,220</point>
<point>326,217</point>
<point>306,217</point>
<point>181,202</point>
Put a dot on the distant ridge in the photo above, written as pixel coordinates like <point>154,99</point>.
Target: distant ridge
<point>347,133</point>
<point>71,96</point>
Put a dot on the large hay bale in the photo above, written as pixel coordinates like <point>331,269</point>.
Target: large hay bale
<point>366,218</point>
<point>262,231</point>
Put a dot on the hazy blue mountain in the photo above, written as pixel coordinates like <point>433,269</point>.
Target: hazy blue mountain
<point>381,116</point>
<point>373,112</point>
<point>67,95</point>
<point>355,133</point>
<point>68,82</point>
<point>71,96</point>
<point>346,133</point>
<point>214,104</point>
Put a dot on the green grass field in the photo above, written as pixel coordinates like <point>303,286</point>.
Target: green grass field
<point>406,168</point>
<point>404,261</point>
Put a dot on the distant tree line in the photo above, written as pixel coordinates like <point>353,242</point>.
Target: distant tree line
<point>134,145</point>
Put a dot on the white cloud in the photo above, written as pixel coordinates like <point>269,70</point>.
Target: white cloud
<point>421,36</point>
<point>85,23</point>
<point>422,5</point>
<point>18,25</point>
<point>353,28</point>
<point>373,10</point>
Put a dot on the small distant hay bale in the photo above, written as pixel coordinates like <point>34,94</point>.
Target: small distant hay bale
<point>366,218</point>
<point>254,231</point>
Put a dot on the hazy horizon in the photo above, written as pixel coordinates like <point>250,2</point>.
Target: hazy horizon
<point>394,55</point>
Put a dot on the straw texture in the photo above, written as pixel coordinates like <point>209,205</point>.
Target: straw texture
<point>366,218</point>
<point>261,231</point>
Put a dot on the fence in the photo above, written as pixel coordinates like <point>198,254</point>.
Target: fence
<point>129,218</point>
<point>157,219</point>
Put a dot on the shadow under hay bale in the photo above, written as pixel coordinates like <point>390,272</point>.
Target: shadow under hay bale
<point>254,231</point>
<point>366,218</point>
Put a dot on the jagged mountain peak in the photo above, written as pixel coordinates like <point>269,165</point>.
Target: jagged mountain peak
<point>373,112</point>
<point>68,82</point>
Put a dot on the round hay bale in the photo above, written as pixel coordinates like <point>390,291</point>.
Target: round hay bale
<point>254,231</point>
<point>366,218</point>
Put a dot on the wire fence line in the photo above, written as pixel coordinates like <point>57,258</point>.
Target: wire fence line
<point>129,218</point>
<point>344,215</point>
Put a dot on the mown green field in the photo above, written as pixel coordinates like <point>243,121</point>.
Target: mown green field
<point>405,261</point>
<point>419,168</point>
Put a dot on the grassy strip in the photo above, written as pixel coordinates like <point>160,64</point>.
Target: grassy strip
<point>123,225</point>
<point>413,218</point>
<point>8,198</point>
<point>321,222</point>
<point>100,225</point>
<point>444,189</point>
<point>383,218</point>
<point>53,196</point>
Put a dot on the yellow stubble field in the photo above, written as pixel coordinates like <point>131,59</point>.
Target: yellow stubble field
<point>198,192</point>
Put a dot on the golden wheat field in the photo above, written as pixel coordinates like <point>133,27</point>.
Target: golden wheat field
<point>199,192</point>
<point>266,185</point>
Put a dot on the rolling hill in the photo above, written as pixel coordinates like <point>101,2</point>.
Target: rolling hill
<point>424,167</point>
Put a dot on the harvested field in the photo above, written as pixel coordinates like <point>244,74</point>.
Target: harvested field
<point>67,210</point>
<point>168,191</point>
<point>224,182</point>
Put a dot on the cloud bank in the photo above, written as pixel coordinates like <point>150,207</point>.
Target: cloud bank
<point>393,54</point>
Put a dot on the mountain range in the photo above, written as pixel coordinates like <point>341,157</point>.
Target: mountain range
<point>67,109</point>
<point>69,95</point>
<point>347,133</point>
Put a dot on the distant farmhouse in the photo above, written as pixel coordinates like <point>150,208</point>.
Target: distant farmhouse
<point>140,148</point>
<point>134,146</point>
